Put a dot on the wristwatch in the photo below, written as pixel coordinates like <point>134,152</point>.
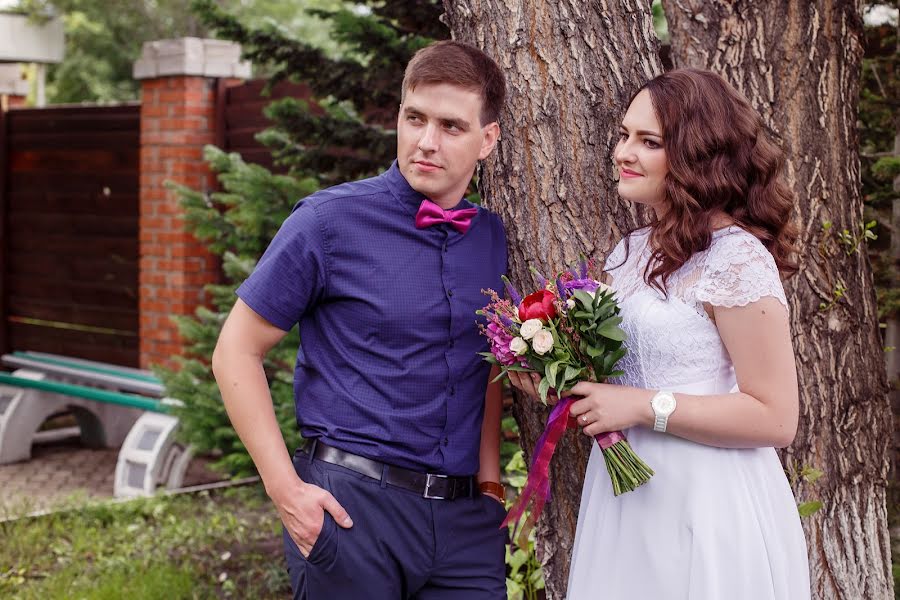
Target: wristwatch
<point>663,405</point>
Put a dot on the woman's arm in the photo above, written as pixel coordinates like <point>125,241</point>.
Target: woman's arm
<point>764,413</point>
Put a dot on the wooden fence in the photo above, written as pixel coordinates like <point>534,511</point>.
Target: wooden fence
<point>69,219</point>
<point>69,231</point>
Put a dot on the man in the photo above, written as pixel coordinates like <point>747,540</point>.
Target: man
<point>384,276</point>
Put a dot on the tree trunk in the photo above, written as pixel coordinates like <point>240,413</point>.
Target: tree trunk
<point>571,67</point>
<point>799,65</point>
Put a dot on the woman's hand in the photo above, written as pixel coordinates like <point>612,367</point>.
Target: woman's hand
<point>528,382</point>
<point>606,407</point>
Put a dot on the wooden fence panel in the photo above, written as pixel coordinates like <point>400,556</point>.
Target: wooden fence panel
<point>239,115</point>
<point>69,210</point>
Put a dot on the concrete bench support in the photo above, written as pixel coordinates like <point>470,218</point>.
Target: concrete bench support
<point>149,456</point>
<point>23,411</point>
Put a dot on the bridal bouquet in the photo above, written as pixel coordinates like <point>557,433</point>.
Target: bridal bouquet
<point>567,331</point>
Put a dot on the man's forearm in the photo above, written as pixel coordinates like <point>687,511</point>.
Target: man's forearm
<point>248,401</point>
<point>489,454</point>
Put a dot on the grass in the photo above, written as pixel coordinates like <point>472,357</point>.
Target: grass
<point>206,545</point>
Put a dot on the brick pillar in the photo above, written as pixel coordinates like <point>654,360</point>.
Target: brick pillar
<point>177,119</point>
<point>13,88</point>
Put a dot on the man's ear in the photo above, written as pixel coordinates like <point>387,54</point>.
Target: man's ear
<point>491,135</point>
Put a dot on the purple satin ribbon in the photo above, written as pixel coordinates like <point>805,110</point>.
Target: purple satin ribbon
<point>538,484</point>
<point>430,214</point>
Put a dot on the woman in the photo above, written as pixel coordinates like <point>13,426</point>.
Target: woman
<point>710,383</point>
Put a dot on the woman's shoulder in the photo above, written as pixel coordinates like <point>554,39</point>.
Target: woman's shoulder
<point>738,269</point>
<point>734,244</point>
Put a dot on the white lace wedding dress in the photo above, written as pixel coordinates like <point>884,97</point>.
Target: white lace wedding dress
<point>713,523</point>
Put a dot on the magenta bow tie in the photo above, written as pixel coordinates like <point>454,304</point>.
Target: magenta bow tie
<point>430,214</point>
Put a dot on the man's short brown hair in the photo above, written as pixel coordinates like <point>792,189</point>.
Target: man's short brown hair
<point>462,65</point>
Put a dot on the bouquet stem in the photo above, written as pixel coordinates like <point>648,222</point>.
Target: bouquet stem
<point>626,469</point>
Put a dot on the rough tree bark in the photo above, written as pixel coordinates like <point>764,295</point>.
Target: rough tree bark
<point>799,64</point>
<point>571,67</point>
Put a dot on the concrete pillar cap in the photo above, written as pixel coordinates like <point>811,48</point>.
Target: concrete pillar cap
<point>191,56</point>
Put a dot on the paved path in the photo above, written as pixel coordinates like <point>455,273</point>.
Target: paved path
<point>64,472</point>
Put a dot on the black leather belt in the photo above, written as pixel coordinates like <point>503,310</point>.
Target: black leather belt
<point>431,485</point>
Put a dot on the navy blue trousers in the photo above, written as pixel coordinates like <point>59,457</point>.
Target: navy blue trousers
<point>401,546</point>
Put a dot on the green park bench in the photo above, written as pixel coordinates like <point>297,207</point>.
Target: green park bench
<point>113,406</point>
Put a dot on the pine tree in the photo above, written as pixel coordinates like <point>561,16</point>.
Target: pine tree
<point>352,138</point>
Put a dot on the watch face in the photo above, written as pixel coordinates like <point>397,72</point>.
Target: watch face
<point>664,404</point>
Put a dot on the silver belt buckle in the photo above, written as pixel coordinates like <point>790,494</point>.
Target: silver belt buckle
<point>429,478</point>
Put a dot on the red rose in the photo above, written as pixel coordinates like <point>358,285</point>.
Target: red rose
<point>538,305</point>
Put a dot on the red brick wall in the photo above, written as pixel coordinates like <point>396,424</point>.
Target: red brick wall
<point>13,101</point>
<point>177,120</point>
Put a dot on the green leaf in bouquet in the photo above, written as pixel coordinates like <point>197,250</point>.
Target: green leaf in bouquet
<point>610,329</point>
<point>612,321</point>
<point>572,372</point>
<point>551,372</point>
<point>585,299</point>
<point>593,351</point>
<point>543,389</point>
<point>489,357</point>
<point>616,373</point>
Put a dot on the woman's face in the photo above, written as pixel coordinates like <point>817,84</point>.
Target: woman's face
<point>640,156</point>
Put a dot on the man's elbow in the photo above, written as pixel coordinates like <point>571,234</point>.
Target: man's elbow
<point>218,360</point>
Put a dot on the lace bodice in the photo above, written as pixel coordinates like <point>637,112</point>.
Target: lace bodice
<point>672,342</point>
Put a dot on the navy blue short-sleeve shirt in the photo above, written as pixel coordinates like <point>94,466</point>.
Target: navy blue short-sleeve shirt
<point>389,365</point>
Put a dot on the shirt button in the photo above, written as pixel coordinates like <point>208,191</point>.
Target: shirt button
<point>446,441</point>
<point>450,292</point>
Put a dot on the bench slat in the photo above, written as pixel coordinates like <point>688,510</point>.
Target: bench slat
<point>88,365</point>
<point>81,391</point>
<point>124,384</point>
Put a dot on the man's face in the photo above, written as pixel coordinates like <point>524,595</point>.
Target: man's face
<point>439,140</point>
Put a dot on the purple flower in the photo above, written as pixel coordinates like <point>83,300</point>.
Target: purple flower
<point>500,340</point>
<point>585,284</point>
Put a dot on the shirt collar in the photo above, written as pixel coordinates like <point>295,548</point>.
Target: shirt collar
<point>409,197</point>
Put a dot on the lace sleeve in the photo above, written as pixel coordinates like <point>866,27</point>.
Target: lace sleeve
<point>738,271</point>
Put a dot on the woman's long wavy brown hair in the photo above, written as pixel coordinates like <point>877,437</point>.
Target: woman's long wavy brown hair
<point>720,159</point>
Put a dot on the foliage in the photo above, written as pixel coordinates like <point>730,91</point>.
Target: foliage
<point>203,545</point>
<point>102,44</point>
<point>525,577</point>
<point>879,123</point>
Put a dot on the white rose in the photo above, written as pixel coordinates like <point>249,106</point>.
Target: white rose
<point>570,304</point>
<point>518,345</point>
<point>530,327</point>
<point>604,288</point>
<point>542,342</point>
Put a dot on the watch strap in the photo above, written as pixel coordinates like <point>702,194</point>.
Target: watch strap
<point>492,487</point>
